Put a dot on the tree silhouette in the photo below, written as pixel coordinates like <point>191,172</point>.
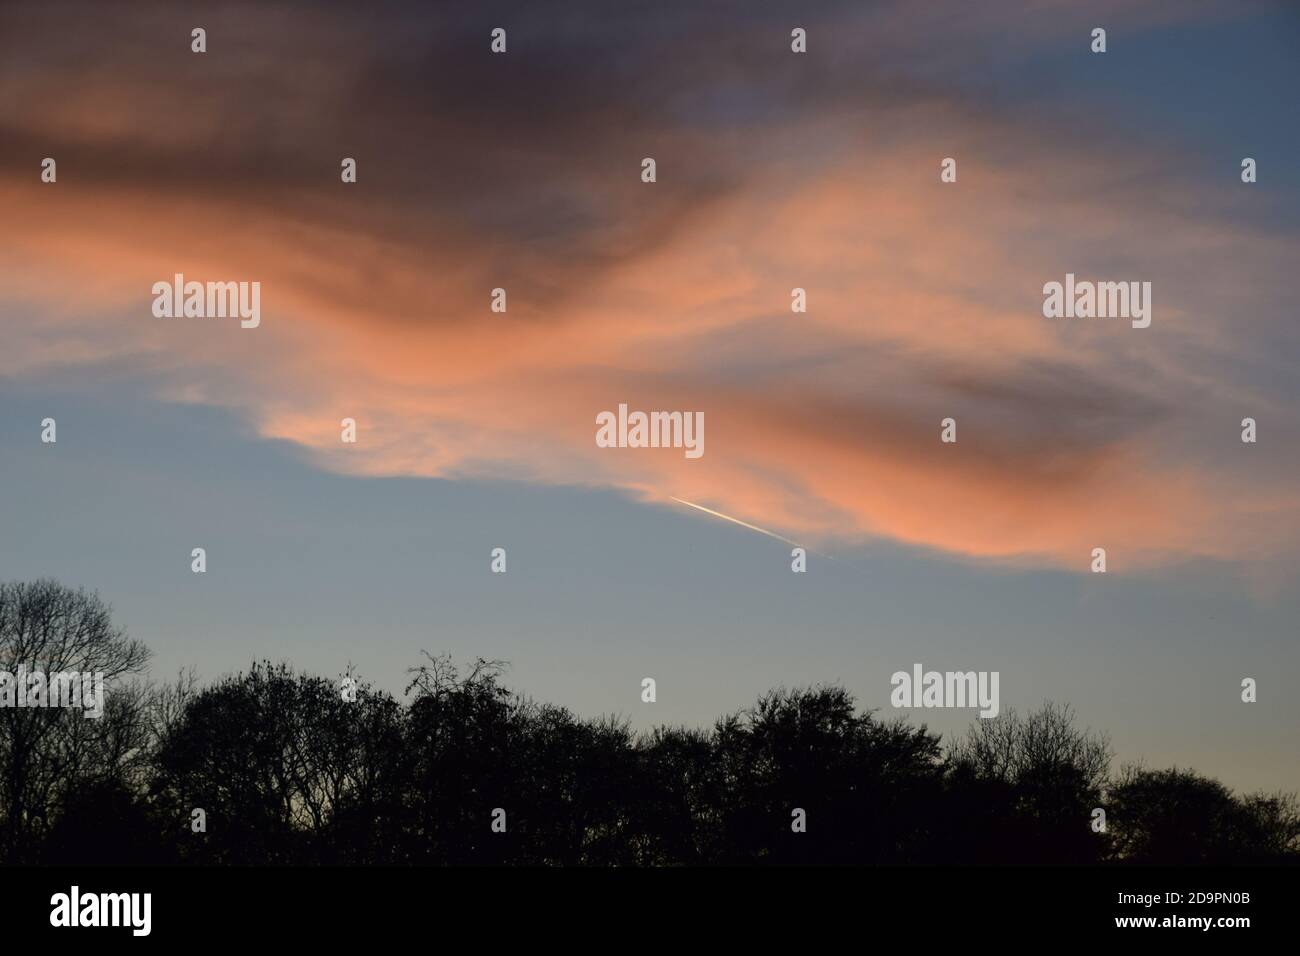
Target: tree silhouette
<point>1179,816</point>
<point>863,784</point>
<point>47,751</point>
<point>1028,785</point>
<point>285,768</point>
<point>295,768</point>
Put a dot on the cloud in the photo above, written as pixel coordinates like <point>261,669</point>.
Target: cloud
<point>523,173</point>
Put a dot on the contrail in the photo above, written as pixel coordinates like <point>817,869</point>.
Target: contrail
<point>743,524</point>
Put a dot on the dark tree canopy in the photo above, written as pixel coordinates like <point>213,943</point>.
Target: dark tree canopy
<point>276,766</point>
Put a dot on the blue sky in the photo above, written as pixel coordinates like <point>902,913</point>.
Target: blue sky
<point>321,570</point>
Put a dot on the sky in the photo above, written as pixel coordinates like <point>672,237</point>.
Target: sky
<point>774,170</point>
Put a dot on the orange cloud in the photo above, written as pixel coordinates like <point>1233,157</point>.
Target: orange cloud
<point>923,304</point>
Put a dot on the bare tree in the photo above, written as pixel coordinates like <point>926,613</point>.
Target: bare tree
<point>1039,747</point>
<point>46,751</point>
<point>441,675</point>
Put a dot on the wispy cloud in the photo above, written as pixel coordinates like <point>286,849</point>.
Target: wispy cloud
<point>923,298</point>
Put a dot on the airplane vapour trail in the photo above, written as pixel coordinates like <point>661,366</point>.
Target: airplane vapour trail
<point>743,524</point>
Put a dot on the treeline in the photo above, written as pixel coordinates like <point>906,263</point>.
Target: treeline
<point>272,766</point>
